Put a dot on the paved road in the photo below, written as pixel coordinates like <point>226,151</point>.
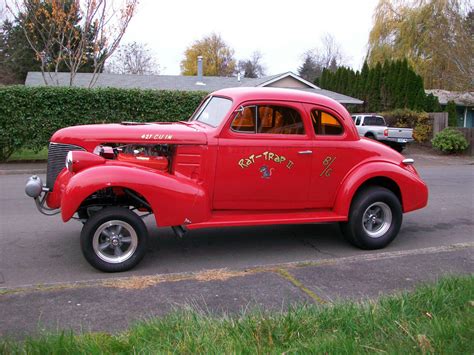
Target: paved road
<point>35,249</point>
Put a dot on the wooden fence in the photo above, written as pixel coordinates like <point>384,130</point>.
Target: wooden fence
<point>440,122</point>
<point>469,135</point>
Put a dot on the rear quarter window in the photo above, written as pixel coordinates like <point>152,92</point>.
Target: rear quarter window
<point>326,124</point>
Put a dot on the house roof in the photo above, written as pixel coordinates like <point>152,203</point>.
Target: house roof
<point>460,98</point>
<point>179,82</point>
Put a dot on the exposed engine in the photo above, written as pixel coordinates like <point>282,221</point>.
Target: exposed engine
<point>155,156</point>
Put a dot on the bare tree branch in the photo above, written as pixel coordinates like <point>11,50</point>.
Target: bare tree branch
<point>71,33</point>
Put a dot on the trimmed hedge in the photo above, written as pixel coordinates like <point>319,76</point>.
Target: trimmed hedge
<point>30,115</point>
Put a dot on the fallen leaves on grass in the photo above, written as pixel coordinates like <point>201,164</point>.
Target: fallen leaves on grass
<point>424,343</point>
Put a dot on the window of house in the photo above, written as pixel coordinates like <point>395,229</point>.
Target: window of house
<point>325,124</point>
<point>268,119</point>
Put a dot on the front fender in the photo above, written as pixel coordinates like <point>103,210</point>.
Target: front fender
<point>174,200</point>
<point>414,192</point>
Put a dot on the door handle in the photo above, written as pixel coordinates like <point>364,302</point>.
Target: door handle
<point>305,152</point>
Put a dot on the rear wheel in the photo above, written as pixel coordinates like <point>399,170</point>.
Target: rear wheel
<point>375,218</point>
<point>114,239</point>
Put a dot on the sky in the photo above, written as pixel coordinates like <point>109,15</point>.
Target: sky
<point>281,30</point>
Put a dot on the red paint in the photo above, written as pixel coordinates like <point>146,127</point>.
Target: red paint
<point>218,177</point>
<point>158,163</point>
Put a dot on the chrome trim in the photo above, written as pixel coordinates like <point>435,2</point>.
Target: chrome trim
<point>408,161</point>
<point>56,157</point>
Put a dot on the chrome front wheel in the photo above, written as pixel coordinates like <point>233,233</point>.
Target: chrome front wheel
<point>114,239</point>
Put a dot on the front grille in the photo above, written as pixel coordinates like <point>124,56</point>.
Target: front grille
<point>56,161</point>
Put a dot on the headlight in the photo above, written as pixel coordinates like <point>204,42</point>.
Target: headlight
<point>69,161</point>
<point>78,160</point>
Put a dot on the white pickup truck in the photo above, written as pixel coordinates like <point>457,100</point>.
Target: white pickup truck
<point>374,127</point>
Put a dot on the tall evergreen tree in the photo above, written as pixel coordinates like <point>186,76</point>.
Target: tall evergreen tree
<point>452,114</point>
<point>383,87</point>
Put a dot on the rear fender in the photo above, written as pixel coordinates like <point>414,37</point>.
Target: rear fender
<point>174,200</point>
<point>414,193</point>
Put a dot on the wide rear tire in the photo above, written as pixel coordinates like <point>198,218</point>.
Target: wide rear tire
<point>375,218</point>
<point>114,239</point>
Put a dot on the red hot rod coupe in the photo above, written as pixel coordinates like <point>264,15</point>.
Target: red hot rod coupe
<point>247,156</point>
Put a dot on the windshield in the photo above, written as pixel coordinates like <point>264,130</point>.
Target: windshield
<point>213,111</point>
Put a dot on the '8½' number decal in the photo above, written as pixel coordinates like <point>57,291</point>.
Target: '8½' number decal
<point>327,162</point>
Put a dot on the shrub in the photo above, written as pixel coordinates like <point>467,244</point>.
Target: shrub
<point>419,121</point>
<point>30,115</point>
<point>450,140</point>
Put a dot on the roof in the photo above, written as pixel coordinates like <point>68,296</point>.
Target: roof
<point>461,98</point>
<point>274,93</point>
<point>178,82</point>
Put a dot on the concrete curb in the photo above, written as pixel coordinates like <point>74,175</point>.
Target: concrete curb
<point>22,171</point>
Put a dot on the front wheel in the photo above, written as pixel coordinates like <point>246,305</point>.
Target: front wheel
<point>375,218</point>
<point>114,239</point>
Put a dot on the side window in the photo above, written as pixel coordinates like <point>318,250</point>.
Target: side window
<point>268,119</point>
<point>325,124</point>
<point>357,121</point>
<point>245,120</point>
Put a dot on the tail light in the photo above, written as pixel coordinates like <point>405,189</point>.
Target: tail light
<point>385,132</point>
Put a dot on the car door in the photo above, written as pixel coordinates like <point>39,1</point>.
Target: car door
<point>334,154</point>
<point>264,158</point>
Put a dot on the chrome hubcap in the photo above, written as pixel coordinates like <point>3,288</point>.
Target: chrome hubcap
<point>377,219</point>
<point>115,241</point>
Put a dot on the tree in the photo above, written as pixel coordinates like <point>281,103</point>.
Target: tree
<point>133,58</point>
<point>310,70</point>
<point>382,88</point>
<point>432,103</point>
<point>452,114</point>
<point>16,55</point>
<point>73,35</point>
<point>328,55</point>
<point>218,57</point>
<point>436,37</point>
<point>253,67</point>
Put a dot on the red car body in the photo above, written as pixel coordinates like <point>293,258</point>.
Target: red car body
<point>248,156</point>
<point>206,186</point>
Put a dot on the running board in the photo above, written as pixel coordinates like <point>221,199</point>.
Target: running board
<point>261,218</point>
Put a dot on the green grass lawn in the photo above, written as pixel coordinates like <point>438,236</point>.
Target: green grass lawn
<point>28,154</point>
<point>433,319</point>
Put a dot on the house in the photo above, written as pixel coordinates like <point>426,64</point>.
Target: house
<point>187,83</point>
<point>464,104</point>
